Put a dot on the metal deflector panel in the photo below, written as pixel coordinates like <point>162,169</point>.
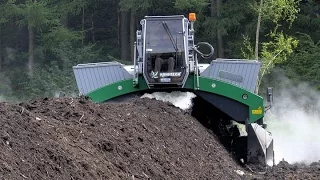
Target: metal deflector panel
<point>92,76</point>
<point>260,145</point>
<point>239,72</point>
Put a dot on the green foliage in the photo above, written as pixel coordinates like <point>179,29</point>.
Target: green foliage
<point>279,46</point>
<point>68,55</point>
<point>5,86</point>
<point>234,22</point>
<point>276,51</point>
<point>234,14</point>
<point>73,7</point>
<point>35,14</point>
<point>126,5</point>
<point>47,81</point>
<point>304,64</point>
<point>6,10</point>
<point>50,81</point>
<point>308,20</point>
<point>58,35</point>
<point>247,50</point>
<point>54,77</point>
<point>68,32</point>
<point>276,10</point>
<point>195,5</point>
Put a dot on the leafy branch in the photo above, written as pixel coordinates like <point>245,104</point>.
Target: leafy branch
<point>275,52</point>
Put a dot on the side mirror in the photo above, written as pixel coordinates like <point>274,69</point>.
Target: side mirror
<point>270,94</point>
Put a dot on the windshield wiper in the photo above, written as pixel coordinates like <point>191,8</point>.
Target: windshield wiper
<point>165,26</point>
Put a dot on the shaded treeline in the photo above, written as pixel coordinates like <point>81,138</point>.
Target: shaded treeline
<point>40,41</point>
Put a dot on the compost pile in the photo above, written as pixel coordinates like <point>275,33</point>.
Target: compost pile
<point>74,138</point>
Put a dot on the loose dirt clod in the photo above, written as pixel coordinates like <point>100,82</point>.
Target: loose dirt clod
<point>74,138</point>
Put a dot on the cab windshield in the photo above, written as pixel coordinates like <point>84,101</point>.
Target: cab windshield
<point>164,36</point>
<point>165,50</point>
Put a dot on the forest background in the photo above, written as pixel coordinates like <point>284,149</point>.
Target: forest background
<point>41,40</point>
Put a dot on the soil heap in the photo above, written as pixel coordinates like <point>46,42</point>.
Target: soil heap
<point>74,138</point>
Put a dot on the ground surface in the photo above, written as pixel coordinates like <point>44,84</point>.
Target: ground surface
<point>73,138</point>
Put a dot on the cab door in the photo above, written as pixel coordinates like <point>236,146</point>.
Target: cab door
<point>165,52</point>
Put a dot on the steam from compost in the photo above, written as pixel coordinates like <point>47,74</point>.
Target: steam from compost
<point>294,122</point>
<point>182,100</point>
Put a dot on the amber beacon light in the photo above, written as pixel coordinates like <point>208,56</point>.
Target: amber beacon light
<point>192,17</point>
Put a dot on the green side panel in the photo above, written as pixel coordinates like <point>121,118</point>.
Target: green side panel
<point>253,101</point>
<point>116,89</point>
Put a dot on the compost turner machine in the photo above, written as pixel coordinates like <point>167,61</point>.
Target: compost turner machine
<point>166,59</point>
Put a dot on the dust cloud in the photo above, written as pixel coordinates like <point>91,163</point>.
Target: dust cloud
<point>294,121</point>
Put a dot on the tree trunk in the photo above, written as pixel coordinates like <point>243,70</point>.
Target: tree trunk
<point>64,20</point>
<point>31,50</point>
<point>92,29</point>
<point>214,38</point>
<point>0,47</point>
<point>132,32</point>
<point>83,34</point>
<point>219,33</point>
<point>119,28</point>
<point>256,50</point>
<point>124,36</point>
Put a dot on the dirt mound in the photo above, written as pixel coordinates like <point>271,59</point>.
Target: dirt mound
<point>284,170</point>
<point>73,138</point>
